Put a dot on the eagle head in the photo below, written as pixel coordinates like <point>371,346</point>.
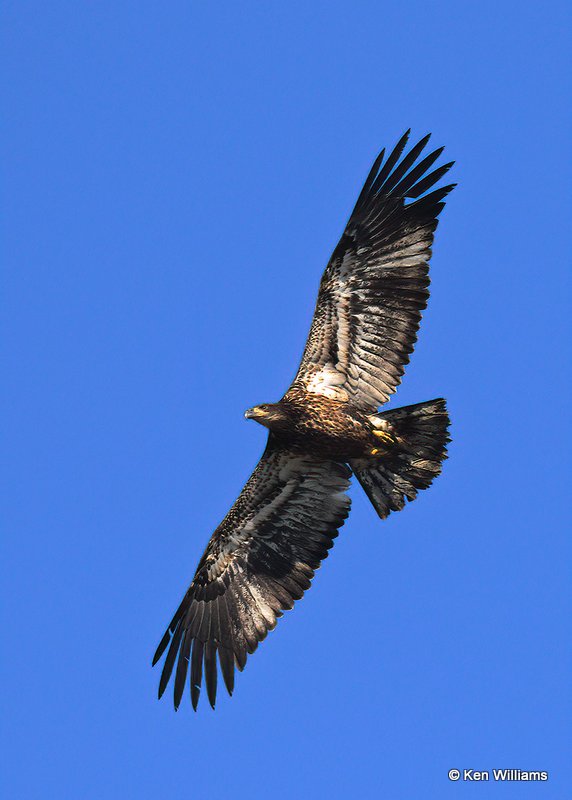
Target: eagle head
<point>271,415</point>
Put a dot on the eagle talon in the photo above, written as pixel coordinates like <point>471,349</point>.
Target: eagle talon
<point>386,438</point>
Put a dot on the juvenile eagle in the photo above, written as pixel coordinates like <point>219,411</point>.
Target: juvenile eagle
<point>263,555</point>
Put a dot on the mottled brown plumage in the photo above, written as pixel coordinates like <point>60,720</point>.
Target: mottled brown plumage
<point>327,427</point>
<point>316,424</point>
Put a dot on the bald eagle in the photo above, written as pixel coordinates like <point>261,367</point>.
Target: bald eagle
<point>325,429</point>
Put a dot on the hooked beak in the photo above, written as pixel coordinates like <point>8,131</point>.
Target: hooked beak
<point>250,413</point>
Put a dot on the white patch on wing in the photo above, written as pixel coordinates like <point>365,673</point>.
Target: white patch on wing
<point>328,382</point>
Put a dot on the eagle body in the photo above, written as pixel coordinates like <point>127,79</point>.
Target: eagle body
<point>318,425</point>
<point>326,429</point>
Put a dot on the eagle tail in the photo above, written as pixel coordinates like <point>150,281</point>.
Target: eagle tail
<point>420,434</point>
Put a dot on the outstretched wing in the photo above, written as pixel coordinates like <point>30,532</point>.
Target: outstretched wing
<point>259,560</point>
<point>375,285</point>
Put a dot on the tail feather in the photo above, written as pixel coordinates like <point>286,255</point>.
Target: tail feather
<point>421,435</point>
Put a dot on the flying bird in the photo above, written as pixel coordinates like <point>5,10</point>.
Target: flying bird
<point>325,429</point>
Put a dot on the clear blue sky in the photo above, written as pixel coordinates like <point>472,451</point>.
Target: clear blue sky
<point>177,175</point>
